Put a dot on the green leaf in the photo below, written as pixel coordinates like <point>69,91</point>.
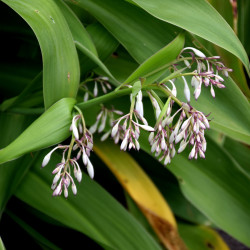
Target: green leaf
<point>212,185</point>
<point>77,29</point>
<point>187,14</point>
<point>128,27</point>
<point>93,211</point>
<point>105,44</point>
<point>143,191</point>
<point>121,64</point>
<point>1,244</point>
<point>169,187</point>
<point>201,237</point>
<point>136,212</point>
<point>155,65</point>
<point>11,173</point>
<point>243,23</point>
<point>240,153</point>
<point>60,61</point>
<point>50,128</point>
<point>81,37</point>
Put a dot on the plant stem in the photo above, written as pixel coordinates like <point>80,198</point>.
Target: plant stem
<point>104,98</point>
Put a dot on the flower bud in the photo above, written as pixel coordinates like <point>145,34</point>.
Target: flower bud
<point>90,169</point>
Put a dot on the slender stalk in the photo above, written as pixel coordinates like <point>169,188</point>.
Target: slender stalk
<point>104,98</point>
<point>157,70</point>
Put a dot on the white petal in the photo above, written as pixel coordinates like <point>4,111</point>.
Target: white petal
<point>185,123</point>
<point>105,136</point>
<point>46,159</point>
<point>137,145</point>
<point>179,137</point>
<point>197,92</point>
<point>95,91</point>
<point>212,91</point>
<point>93,128</point>
<point>86,97</point>
<point>66,193</point>
<point>151,137</point>
<point>74,128</point>
<point>103,123</point>
<point>196,51</point>
<point>90,169</point>
<point>201,153</point>
<point>174,91</point>
<point>79,175</point>
<point>124,144</point>
<point>167,159</point>
<point>57,177</point>
<point>182,147</point>
<point>74,189</point>
<point>172,154</point>
<point>145,127</point>
<point>172,137</point>
<point>192,153</point>
<point>186,89</point>
<point>84,157</point>
<point>187,64</point>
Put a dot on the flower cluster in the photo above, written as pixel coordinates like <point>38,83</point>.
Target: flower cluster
<point>101,81</point>
<point>188,128</point>
<point>82,141</point>
<point>174,129</point>
<point>207,72</point>
<point>105,118</point>
<point>129,129</point>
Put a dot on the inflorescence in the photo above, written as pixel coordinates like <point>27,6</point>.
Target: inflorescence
<point>173,131</point>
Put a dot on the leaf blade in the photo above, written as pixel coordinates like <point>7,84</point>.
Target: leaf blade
<point>60,61</point>
<point>103,219</point>
<point>50,128</point>
<point>143,192</point>
<point>212,26</point>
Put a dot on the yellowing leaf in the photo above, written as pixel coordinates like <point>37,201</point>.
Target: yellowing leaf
<point>143,191</point>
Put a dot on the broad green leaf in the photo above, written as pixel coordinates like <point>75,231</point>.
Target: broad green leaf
<point>60,61</point>
<point>121,64</point>
<point>40,239</point>
<point>137,213</point>
<point>201,237</point>
<point>77,29</point>
<point>230,110</point>
<point>143,191</point>
<point>212,185</point>
<point>1,244</point>
<point>93,211</point>
<point>200,18</point>
<point>240,152</point>
<point>128,27</point>
<point>11,125</point>
<point>243,23</point>
<point>81,37</point>
<point>105,44</point>
<point>50,128</point>
<point>155,65</point>
<point>169,187</point>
